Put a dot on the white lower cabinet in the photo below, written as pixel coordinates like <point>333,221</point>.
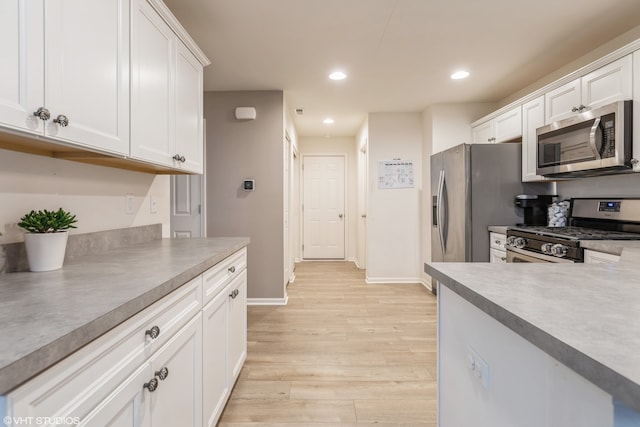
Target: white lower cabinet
<point>173,364</point>
<point>595,257</point>
<point>224,320</point>
<point>497,247</point>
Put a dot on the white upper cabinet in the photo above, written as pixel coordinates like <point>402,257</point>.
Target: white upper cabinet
<point>70,62</point>
<point>166,95</point>
<point>505,127</point>
<point>532,119</point>
<point>21,50</point>
<point>613,82</point>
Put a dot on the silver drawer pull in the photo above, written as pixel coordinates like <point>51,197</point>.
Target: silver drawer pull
<point>62,120</point>
<point>154,332</point>
<point>232,269</point>
<point>162,373</point>
<point>43,114</point>
<point>152,385</point>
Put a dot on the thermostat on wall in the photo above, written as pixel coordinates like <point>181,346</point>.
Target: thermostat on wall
<point>249,184</point>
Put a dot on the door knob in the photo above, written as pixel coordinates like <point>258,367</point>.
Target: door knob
<point>339,215</point>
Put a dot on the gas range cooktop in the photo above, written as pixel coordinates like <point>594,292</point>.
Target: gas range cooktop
<point>576,233</point>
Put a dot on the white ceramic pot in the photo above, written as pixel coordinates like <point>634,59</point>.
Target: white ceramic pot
<point>45,251</point>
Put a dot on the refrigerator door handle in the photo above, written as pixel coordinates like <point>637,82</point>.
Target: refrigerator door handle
<point>440,223</point>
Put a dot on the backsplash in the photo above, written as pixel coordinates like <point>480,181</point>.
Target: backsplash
<point>627,185</point>
<point>13,257</point>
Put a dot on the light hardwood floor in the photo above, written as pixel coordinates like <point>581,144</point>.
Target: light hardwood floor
<point>341,353</point>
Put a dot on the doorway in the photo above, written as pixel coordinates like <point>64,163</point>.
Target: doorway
<point>186,206</point>
<point>323,207</point>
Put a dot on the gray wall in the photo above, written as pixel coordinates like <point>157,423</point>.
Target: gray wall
<point>238,150</point>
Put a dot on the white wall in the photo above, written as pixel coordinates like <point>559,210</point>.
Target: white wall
<point>96,194</point>
<point>393,217</point>
<point>340,146</point>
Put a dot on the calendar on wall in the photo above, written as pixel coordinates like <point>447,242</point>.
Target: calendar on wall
<point>395,174</point>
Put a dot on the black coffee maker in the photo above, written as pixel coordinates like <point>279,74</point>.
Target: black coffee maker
<point>534,207</point>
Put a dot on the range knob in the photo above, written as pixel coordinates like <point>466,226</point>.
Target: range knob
<point>559,250</point>
<point>546,248</point>
<point>520,242</point>
<point>511,240</point>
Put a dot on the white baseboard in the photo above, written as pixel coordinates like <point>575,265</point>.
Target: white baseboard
<point>392,280</point>
<point>355,261</point>
<point>268,301</point>
<point>292,278</point>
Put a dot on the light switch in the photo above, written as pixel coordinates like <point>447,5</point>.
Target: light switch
<point>129,202</point>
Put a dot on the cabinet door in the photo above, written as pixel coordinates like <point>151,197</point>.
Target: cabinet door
<point>613,82</point>
<point>532,119</point>
<point>483,133</point>
<point>153,46</point>
<point>87,72</point>
<point>189,111</point>
<point>508,125</point>
<point>561,101</point>
<point>215,372</point>
<point>125,406</point>
<point>595,257</point>
<point>237,325</point>
<point>21,51</point>
<point>497,256</point>
<point>178,399</point>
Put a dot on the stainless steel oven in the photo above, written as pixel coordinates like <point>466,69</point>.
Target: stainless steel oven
<point>514,255</point>
<point>589,219</point>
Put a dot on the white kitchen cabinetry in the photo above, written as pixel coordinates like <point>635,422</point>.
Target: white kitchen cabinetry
<point>98,375</point>
<point>532,119</point>
<point>613,82</point>
<point>166,94</point>
<point>68,62</point>
<point>505,127</point>
<point>502,380</point>
<point>595,257</point>
<point>497,247</point>
<point>224,320</point>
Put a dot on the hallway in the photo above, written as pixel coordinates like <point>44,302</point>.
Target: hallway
<point>341,353</point>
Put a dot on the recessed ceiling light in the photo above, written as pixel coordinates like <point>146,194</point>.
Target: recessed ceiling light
<point>328,121</point>
<point>337,75</point>
<point>460,75</point>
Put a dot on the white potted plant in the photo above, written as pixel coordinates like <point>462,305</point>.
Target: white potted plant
<point>46,238</point>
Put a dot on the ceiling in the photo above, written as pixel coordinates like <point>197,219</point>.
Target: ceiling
<point>398,54</point>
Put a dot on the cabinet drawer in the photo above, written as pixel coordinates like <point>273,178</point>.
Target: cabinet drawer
<point>77,384</point>
<point>497,241</point>
<point>498,256</point>
<point>595,257</point>
<point>218,276</point>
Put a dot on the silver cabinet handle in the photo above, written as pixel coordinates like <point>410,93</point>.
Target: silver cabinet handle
<point>363,215</point>
<point>503,258</point>
<point>340,215</point>
<point>62,120</point>
<point>154,332</point>
<point>162,373</point>
<point>179,158</point>
<point>231,269</point>
<point>579,108</point>
<point>234,294</point>
<point>152,385</point>
<point>43,114</point>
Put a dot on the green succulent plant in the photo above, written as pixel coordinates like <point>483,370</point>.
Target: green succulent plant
<point>45,221</point>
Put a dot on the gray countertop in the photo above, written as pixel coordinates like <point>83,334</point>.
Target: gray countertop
<point>587,316</point>
<point>45,317</point>
<point>502,229</point>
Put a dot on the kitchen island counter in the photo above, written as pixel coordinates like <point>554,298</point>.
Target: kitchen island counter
<point>44,317</point>
<point>585,316</point>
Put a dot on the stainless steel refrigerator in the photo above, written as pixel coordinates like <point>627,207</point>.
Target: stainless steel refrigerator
<point>472,187</point>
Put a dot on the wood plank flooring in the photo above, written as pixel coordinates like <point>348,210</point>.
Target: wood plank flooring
<point>341,353</point>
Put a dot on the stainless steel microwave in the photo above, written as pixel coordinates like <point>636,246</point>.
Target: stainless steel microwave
<point>596,142</point>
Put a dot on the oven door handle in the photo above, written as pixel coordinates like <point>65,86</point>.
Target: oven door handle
<point>440,208</point>
<point>593,135</point>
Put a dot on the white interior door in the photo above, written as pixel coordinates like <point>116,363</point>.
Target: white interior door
<point>186,206</point>
<point>323,207</point>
